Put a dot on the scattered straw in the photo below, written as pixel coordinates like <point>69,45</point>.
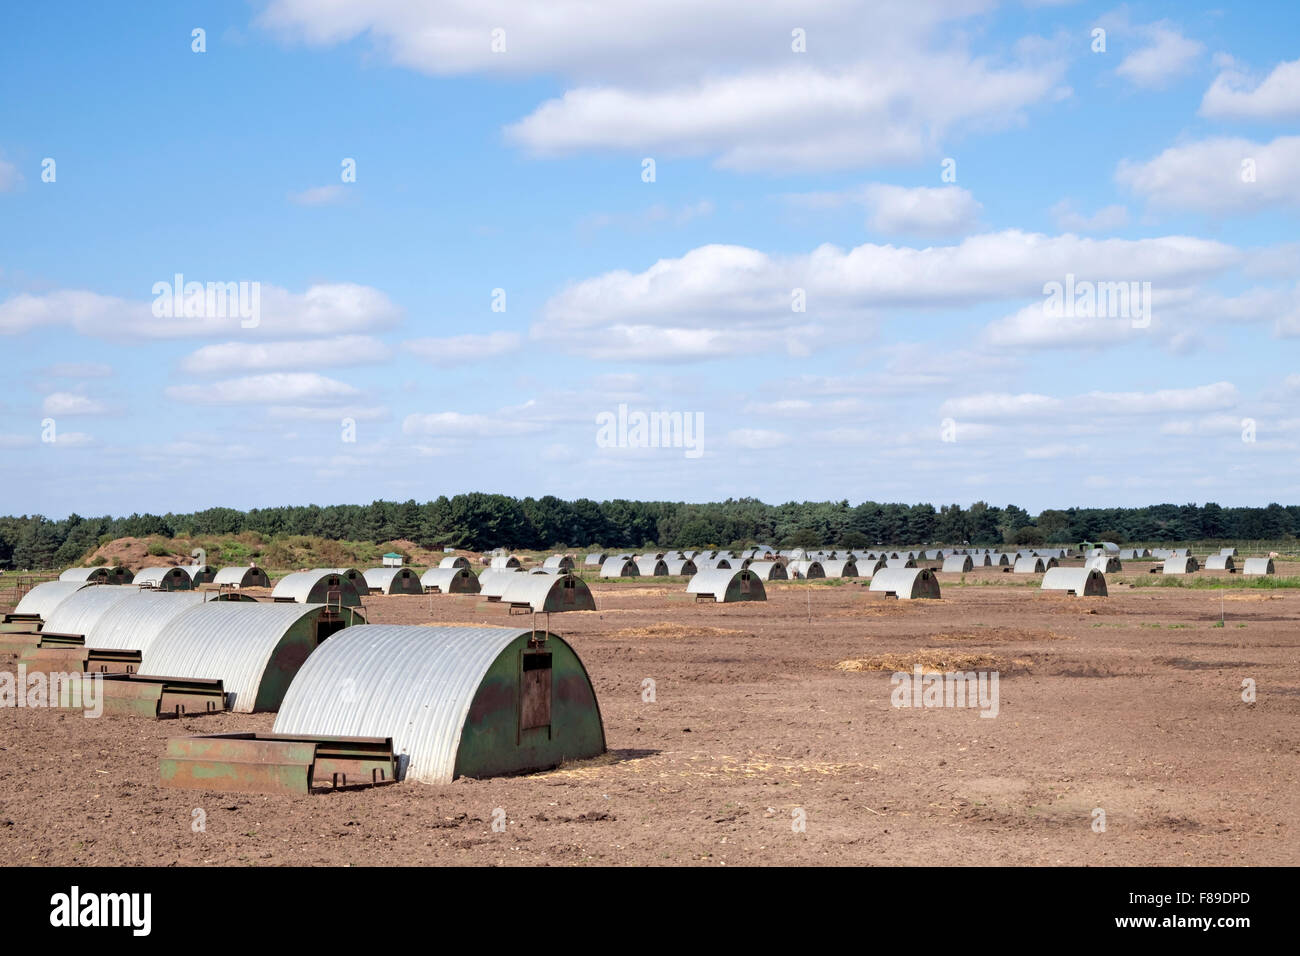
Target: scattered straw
<point>674,631</point>
<point>937,661</point>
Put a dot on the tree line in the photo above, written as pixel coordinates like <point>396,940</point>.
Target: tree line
<point>479,522</point>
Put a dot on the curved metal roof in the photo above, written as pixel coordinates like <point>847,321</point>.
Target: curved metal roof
<point>230,640</point>
<point>158,576</point>
<point>769,570</point>
<point>414,684</point>
<point>559,561</point>
<point>906,583</point>
<point>502,561</point>
<point>840,568</point>
<point>300,585</point>
<point>958,563</point>
<point>45,597</point>
<point>492,581</point>
<point>619,567</point>
<point>236,575</point>
<point>79,612</point>
<point>1029,564</point>
<point>194,570</point>
<point>718,582</point>
<point>133,624</point>
<point>83,574</point>
<point>1258,566</point>
<point>1081,581</point>
<point>651,567</point>
<point>441,579</point>
<point>384,578</point>
<point>454,561</point>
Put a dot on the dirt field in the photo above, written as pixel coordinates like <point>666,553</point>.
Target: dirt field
<point>1131,704</point>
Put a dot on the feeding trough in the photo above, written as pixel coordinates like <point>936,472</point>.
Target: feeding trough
<point>276,763</point>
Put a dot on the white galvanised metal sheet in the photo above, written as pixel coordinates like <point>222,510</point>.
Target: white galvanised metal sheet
<point>133,624</point>
<point>45,597</point>
<point>79,612</point>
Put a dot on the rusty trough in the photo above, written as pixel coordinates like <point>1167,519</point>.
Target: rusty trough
<point>276,763</point>
<point>141,695</point>
<point>66,657</point>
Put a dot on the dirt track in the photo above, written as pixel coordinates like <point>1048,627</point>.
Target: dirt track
<point>1131,704</point>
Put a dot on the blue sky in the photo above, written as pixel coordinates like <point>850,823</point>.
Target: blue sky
<point>521,169</point>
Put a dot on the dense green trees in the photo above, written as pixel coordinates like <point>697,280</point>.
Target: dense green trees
<point>481,521</point>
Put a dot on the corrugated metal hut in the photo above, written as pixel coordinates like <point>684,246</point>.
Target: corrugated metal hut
<point>1220,562</point>
<point>648,566</point>
<point>769,570</point>
<point>806,569</point>
<point>619,567</point>
<point>164,579</point>
<point>563,562</point>
<point>1105,563</point>
<point>238,577</point>
<point>88,575</point>
<point>253,648</point>
<point>456,701</point>
<point>393,581</point>
<point>41,600</point>
<point>680,567</point>
<point>1030,564</point>
<point>450,581</point>
<point>492,582</point>
<point>727,585</point>
<point>906,583</point>
<point>454,561</point>
<point>548,593</point>
<point>200,573</point>
<point>503,561</point>
<point>840,568</point>
<point>1180,564</point>
<point>322,586</point>
<point>103,574</point>
<point>1255,566</point>
<point>1081,582</point>
<point>958,564</point>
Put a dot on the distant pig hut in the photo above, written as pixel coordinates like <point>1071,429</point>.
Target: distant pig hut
<point>726,585</point>
<point>238,577</point>
<point>450,581</point>
<point>392,581</point>
<point>906,583</point>
<point>165,579</point>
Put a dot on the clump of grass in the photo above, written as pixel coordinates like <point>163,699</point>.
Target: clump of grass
<point>1207,583</point>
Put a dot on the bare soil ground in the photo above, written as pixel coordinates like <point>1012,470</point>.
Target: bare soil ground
<point>763,713</point>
